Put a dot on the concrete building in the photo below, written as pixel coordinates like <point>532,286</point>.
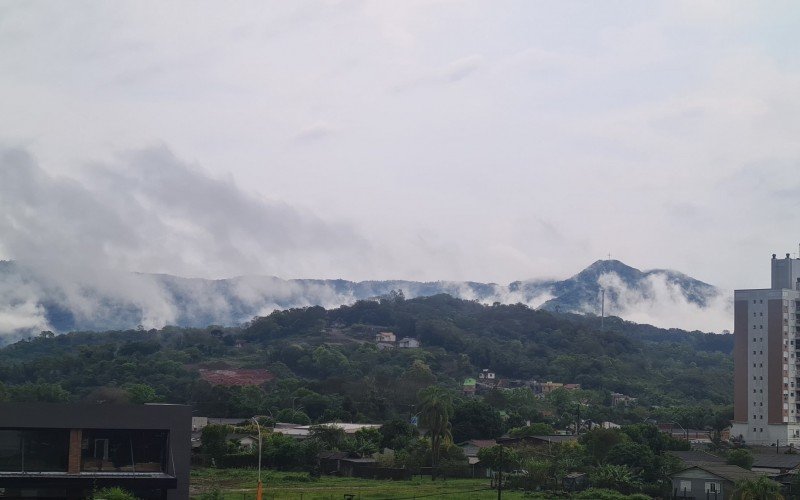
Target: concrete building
<point>766,408</point>
<point>68,450</point>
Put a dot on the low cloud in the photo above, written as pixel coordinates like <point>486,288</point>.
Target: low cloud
<point>74,242</point>
<point>659,302</point>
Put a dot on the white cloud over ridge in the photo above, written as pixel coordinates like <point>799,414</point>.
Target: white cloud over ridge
<point>661,303</point>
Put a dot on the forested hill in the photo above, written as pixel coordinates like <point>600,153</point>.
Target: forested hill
<point>327,361</point>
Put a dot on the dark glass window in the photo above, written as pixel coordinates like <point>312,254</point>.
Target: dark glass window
<point>34,450</point>
<point>123,450</point>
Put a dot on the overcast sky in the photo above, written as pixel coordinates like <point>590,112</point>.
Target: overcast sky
<point>487,141</point>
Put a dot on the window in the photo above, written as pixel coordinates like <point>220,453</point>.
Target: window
<point>761,429</point>
<point>685,486</point>
<point>34,450</point>
<point>712,487</point>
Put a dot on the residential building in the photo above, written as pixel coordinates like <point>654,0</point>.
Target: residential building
<point>469,386</point>
<point>385,337</point>
<point>766,403</point>
<point>68,450</point>
<point>486,374</point>
<point>304,431</point>
<point>618,399</point>
<point>407,343</point>
<point>709,480</point>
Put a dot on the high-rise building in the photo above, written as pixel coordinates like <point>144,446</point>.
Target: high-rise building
<point>766,397</point>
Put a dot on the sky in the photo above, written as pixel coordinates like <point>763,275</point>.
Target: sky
<point>490,141</point>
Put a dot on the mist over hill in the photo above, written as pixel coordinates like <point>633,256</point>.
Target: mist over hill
<point>32,298</point>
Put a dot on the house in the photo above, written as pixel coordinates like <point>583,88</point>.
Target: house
<point>245,442</point>
<point>536,441</point>
<point>696,457</point>
<point>199,422</point>
<point>471,449</point>
<point>385,337</point>
<point>340,463</point>
<point>69,450</point>
<point>771,461</point>
<point>469,386</point>
<point>407,343</point>
<point>304,431</point>
<point>473,446</point>
<point>486,374</point>
<point>619,399</point>
<point>709,481</point>
<point>545,388</point>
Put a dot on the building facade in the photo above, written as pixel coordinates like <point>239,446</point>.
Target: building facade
<point>766,398</point>
<point>67,451</point>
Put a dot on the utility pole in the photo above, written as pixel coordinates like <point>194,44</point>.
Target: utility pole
<point>500,476</point>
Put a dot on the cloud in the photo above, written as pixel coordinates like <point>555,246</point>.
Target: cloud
<point>659,302</point>
<point>74,242</point>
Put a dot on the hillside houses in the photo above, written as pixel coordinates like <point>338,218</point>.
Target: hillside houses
<point>388,340</point>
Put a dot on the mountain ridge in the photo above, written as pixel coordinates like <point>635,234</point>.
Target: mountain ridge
<point>35,300</point>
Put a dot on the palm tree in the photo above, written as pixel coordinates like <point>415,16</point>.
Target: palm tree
<point>436,408</point>
<point>762,488</point>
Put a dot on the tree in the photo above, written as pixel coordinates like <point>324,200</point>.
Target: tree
<point>436,409</point>
<point>330,437</point>
<point>638,457</point>
<point>474,419</point>
<point>761,488</point>
<point>396,434</point>
<point>535,429</point>
<point>213,440</point>
<point>598,442</point>
<point>364,442</point>
<point>499,457</point>
<point>616,477</point>
<point>140,394</point>
<point>291,416</point>
<point>740,457</point>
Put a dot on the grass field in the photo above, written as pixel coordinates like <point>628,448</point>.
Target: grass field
<point>239,484</point>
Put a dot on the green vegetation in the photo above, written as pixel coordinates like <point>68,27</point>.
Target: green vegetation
<point>233,483</point>
<point>328,368</point>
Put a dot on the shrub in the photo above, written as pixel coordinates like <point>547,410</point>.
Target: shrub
<point>114,493</point>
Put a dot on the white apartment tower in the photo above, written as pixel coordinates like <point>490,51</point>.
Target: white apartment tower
<point>766,384</point>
